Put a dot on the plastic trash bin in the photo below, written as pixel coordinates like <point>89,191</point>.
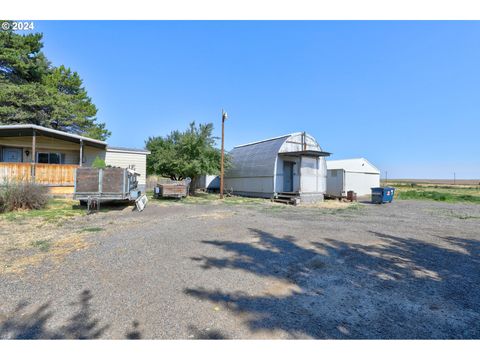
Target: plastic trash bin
<point>382,195</point>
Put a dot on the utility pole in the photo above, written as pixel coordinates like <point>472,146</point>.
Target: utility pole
<point>224,117</point>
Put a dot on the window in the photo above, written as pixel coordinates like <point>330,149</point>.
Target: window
<point>50,158</point>
<point>54,158</point>
<point>42,158</point>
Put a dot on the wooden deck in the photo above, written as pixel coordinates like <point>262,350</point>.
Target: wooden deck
<point>47,174</point>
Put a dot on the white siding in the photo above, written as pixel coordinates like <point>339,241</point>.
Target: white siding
<point>254,186</point>
<point>313,175</point>
<point>358,175</point>
<point>361,183</point>
<point>345,181</point>
<point>211,182</point>
<point>124,159</point>
<point>335,180</point>
<point>322,175</point>
<point>361,165</point>
<point>257,168</point>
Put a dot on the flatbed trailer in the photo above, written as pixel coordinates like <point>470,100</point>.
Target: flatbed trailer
<point>93,186</point>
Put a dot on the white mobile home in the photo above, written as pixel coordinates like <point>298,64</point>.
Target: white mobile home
<point>358,175</point>
<point>47,156</point>
<point>293,163</point>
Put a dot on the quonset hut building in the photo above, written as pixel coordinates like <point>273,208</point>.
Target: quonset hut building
<point>288,165</point>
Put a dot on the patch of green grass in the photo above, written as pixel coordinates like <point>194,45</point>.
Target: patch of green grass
<point>465,217</point>
<point>453,214</point>
<point>436,192</point>
<point>43,245</point>
<point>200,198</point>
<point>238,200</point>
<point>211,199</point>
<point>351,209</point>
<point>276,209</point>
<point>418,194</point>
<point>55,211</point>
<point>91,229</point>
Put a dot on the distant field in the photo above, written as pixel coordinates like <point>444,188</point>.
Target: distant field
<point>436,181</point>
<point>436,190</point>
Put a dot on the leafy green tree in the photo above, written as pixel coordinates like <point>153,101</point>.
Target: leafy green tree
<point>185,154</point>
<point>32,91</point>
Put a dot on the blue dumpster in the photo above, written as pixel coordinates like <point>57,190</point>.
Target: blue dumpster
<point>382,195</point>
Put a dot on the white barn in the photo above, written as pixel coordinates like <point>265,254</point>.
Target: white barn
<point>358,175</point>
<point>292,163</point>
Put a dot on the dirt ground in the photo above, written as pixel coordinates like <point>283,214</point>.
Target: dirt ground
<point>244,270</point>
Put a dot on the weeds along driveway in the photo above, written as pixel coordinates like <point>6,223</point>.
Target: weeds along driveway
<point>409,269</point>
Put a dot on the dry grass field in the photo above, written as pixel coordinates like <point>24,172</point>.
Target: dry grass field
<point>437,181</point>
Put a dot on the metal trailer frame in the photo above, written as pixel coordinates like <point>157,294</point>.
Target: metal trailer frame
<point>129,190</point>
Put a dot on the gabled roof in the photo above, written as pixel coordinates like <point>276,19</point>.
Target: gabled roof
<point>360,165</point>
<point>28,129</point>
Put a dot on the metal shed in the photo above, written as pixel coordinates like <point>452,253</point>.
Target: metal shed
<point>358,175</point>
<point>293,163</point>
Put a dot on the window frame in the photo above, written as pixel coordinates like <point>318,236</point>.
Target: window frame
<point>61,157</point>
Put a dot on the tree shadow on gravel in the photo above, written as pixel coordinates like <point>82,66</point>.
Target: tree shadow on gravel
<point>399,288</point>
<point>207,334</point>
<point>24,323</point>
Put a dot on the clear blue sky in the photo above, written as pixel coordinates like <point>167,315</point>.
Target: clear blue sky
<point>405,95</point>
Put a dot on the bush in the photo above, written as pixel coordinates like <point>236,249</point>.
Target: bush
<point>22,195</point>
<point>99,163</point>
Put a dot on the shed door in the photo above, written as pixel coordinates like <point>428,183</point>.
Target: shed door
<point>12,155</point>
<point>288,176</point>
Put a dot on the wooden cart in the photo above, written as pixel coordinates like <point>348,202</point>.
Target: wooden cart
<point>173,189</point>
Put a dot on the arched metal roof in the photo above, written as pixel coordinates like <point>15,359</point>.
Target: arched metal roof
<point>258,159</point>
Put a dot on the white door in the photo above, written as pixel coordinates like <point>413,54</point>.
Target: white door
<point>12,155</point>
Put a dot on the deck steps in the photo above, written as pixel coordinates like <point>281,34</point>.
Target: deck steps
<point>290,198</point>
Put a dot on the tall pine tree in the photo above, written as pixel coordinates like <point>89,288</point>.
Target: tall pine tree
<point>32,91</point>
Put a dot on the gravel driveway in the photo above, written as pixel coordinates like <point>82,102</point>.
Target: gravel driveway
<point>409,269</point>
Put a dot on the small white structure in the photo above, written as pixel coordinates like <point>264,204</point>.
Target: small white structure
<point>358,175</point>
<point>292,163</point>
<point>207,182</point>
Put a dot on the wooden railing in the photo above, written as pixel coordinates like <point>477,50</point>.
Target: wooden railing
<point>47,174</point>
<point>53,174</point>
<point>15,172</point>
